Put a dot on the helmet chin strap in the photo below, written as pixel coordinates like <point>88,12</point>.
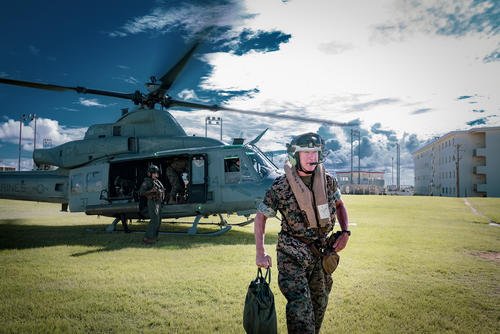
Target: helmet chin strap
<point>299,168</point>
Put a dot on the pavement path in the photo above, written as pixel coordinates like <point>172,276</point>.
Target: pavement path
<point>478,213</point>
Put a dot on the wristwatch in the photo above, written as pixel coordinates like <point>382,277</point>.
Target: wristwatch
<point>347,231</point>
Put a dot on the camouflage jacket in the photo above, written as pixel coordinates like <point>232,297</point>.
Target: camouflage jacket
<point>280,197</point>
<point>174,177</point>
<point>147,190</point>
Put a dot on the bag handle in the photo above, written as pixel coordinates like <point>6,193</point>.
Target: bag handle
<point>268,274</point>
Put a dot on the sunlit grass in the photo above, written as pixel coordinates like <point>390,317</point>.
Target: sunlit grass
<point>413,264</point>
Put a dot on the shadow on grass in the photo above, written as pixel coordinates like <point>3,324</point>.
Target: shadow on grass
<point>16,234</point>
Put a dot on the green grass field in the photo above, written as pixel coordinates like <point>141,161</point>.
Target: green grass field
<point>413,265</point>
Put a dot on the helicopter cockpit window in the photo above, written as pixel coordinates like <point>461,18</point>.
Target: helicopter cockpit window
<point>94,182</point>
<point>260,163</point>
<point>232,169</point>
<point>77,183</point>
<point>232,164</point>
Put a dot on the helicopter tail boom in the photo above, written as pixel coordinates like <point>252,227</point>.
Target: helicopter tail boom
<point>40,186</point>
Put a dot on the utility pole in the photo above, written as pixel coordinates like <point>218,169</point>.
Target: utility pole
<point>353,133</point>
<point>213,121</point>
<point>398,166</point>
<point>34,135</point>
<point>351,157</point>
<point>392,171</point>
<point>359,157</point>
<point>23,118</point>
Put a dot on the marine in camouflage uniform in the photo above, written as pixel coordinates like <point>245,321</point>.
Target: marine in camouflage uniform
<point>301,278</point>
<point>174,177</point>
<point>153,190</point>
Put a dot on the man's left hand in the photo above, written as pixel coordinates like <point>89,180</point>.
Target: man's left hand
<point>341,242</point>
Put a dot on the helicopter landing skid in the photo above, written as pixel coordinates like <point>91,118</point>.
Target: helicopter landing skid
<point>245,223</point>
<point>112,227</point>
<point>193,230</point>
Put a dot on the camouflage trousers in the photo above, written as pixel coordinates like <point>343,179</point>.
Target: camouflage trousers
<point>154,208</point>
<point>305,286</point>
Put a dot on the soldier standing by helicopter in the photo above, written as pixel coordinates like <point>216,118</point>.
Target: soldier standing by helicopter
<point>309,201</point>
<point>153,190</point>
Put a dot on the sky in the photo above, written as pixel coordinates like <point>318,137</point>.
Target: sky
<point>406,70</point>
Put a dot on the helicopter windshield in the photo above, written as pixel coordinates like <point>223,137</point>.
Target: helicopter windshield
<point>262,165</point>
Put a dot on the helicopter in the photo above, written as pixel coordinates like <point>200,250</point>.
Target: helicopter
<point>101,173</point>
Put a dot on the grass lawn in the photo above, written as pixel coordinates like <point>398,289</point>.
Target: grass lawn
<point>413,264</point>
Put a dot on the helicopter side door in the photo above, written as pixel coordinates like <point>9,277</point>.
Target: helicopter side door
<point>86,185</point>
<point>198,186</point>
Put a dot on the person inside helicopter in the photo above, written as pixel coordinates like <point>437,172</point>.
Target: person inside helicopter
<point>174,171</point>
<point>232,170</point>
<point>123,187</point>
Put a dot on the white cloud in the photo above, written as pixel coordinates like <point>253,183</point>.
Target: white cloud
<point>186,15</point>
<point>90,103</point>
<point>130,80</point>
<point>457,17</point>
<point>45,129</point>
<point>339,64</point>
<point>189,94</point>
<point>422,70</point>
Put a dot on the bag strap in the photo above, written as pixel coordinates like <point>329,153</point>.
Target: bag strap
<point>268,274</point>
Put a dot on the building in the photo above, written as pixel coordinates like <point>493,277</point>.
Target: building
<point>7,169</point>
<point>460,164</point>
<point>364,182</point>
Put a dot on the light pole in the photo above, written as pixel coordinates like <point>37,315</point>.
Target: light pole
<point>398,166</point>
<point>213,121</point>
<point>356,132</point>
<point>23,119</point>
<point>392,170</point>
<point>34,117</point>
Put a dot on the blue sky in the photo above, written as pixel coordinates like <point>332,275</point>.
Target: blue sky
<point>408,70</point>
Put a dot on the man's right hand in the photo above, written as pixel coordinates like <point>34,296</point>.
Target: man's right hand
<point>263,261</point>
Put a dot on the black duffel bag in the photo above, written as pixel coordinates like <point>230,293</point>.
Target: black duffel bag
<point>259,314</point>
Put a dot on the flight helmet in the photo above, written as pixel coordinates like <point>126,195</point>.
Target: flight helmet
<point>153,169</point>
<point>307,142</point>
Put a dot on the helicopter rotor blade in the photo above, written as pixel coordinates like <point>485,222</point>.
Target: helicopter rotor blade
<point>168,79</point>
<point>78,89</point>
<point>33,84</point>
<point>195,105</point>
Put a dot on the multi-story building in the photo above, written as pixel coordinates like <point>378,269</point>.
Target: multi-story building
<point>460,164</point>
<point>7,169</point>
<point>364,182</point>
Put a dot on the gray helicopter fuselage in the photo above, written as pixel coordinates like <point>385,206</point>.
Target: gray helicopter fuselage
<point>211,186</point>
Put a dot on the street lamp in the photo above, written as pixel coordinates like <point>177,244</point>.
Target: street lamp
<point>34,117</point>
<point>23,119</point>
<point>355,132</point>
<point>213,121</point>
